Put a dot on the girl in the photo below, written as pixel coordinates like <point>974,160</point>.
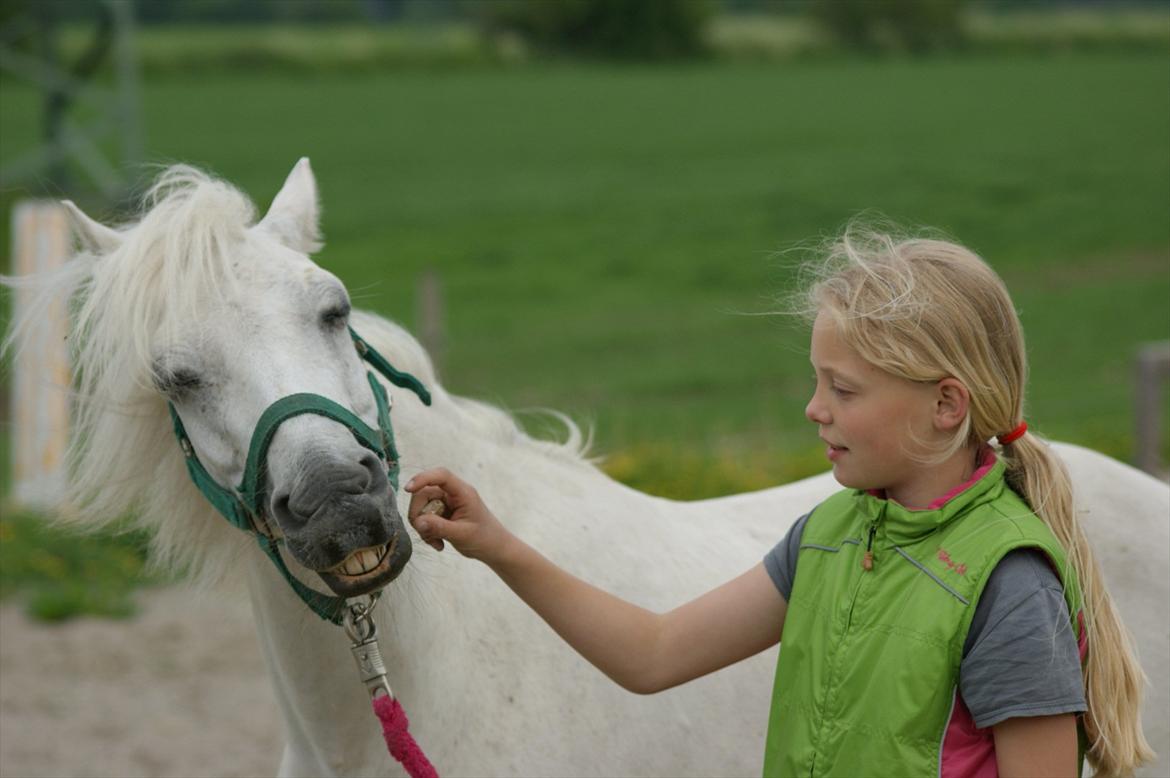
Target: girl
<point>944,614</point>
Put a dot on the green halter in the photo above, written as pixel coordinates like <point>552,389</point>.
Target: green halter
<point>243,507</point>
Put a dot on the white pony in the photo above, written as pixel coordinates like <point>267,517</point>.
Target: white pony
<point>200,305</point>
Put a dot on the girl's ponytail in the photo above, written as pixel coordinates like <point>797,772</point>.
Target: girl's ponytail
<point>1113,677</point>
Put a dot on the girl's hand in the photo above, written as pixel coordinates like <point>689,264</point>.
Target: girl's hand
<point>469,525</point>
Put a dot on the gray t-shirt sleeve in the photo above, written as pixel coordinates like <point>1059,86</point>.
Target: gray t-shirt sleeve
<point>1021,656</point>
<point>780,562</point>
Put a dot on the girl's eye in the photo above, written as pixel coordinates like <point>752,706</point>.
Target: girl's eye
<point>841,392</point>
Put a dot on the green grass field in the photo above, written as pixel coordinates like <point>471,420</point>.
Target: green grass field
<point>601,233</point>
<point>600,230</point>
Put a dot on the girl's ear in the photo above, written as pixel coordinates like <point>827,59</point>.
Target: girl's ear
<point>952,402</point>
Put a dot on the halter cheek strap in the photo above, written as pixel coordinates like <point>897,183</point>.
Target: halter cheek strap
<point>243,507</point>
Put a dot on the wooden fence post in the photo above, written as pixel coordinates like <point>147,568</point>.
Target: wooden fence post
<point>1152,371</point>
<point>41,242</point>
<point>429,309</point>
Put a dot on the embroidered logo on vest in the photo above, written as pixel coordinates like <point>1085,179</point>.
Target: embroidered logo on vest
<point>945,558</point>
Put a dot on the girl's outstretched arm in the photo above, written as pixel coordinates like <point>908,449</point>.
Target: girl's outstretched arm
<point>642,651</point>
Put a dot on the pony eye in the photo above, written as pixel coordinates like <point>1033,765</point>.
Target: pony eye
<point>177,382</point>
<point>335,316</point>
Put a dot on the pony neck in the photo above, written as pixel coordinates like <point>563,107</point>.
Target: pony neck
<point>322,702</point>
<point>330,727</point>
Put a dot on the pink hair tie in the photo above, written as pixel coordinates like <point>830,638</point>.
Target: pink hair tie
<point>1014,435</point>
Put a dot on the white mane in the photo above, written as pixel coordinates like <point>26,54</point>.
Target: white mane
<point>495,424</point>
<point>124,460</point>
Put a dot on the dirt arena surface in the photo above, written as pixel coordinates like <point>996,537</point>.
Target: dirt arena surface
<point>178,690</point>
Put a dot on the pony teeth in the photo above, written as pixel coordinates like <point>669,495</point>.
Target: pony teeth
<point>361,562</point>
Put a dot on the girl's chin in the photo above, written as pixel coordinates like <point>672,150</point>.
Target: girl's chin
<point>851,481</point>
<point>843,477</point>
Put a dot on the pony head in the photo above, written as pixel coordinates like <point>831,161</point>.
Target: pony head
<point>200,306</point>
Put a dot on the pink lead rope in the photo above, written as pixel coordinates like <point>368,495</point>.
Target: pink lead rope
<point>395,729</point>
<point>363,634</point>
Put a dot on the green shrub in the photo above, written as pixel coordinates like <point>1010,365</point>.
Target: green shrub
<point>622,29</point>
<point>697,474</point>
<point>60,574</point>
<point>909,25</point>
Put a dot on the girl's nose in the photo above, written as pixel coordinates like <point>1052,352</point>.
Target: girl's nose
<point>816,412</point>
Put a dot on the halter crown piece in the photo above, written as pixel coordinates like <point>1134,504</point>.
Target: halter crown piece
<point>243,508</point>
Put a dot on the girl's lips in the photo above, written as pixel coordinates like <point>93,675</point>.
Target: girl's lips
<point>834,452</point>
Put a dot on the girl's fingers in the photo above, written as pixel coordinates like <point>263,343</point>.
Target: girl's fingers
<point>432,477</point>
<point>434,529</point>
<point>421,498</point>
<point>438,500</point>
<point>445,480</point>
<point>432,541</point>
<point>429,520</point>
<point>426,513</point>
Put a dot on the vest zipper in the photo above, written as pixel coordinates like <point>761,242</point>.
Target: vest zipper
<point>867,560</point>
<point>867,565</point>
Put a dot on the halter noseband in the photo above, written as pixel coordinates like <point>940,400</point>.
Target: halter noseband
<point>243,507</point>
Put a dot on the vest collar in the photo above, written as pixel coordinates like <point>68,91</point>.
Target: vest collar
<point>901,525</point>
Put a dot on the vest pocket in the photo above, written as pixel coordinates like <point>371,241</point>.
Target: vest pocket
<point>834,549</point>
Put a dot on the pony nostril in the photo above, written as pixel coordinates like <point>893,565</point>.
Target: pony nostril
<point>367,475</point>
<point>376,480</point>
<point>284,514</point>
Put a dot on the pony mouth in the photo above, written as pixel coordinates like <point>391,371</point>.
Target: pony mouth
<point>362,571</point>
<point>362,562</point>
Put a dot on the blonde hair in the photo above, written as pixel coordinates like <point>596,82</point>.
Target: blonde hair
<point>926,309</point>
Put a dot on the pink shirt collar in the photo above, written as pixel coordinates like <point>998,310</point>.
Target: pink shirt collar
<point>987,460</point>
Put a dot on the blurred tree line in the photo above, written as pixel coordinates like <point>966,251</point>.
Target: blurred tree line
<point>624,29</point>
<point>627,29</point>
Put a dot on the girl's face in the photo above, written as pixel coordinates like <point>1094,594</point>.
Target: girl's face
<point>872,422</point>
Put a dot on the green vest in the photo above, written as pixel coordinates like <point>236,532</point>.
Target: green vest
<point>869,659</point>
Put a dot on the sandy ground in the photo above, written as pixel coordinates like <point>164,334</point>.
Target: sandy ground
<point>179,690</point>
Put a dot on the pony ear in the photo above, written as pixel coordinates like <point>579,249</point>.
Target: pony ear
<point>95,238</point>
<point>294,216</point>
